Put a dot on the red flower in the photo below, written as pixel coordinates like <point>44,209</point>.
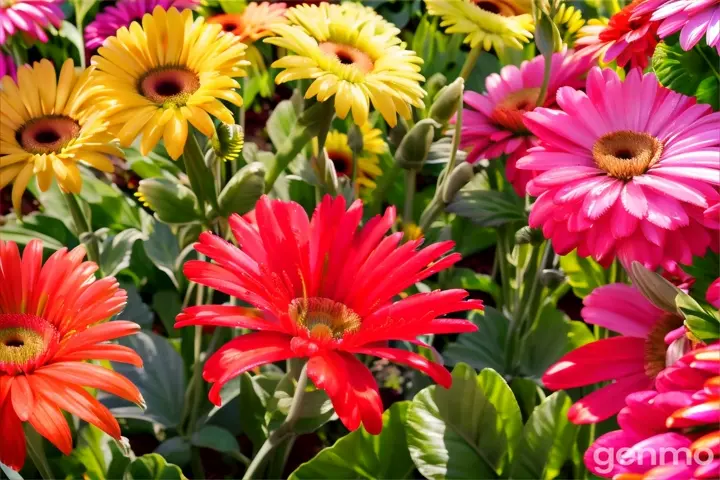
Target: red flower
<point>325,290</point>
<point>49,318</point>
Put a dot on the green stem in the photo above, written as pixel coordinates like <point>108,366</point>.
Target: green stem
<point>353,177</point>
<point>201,178</point>
<point>196,463</point>
<point>410,185</point>
<point>283,432</point>
<point>382,187</point>
<point>285,154</point>
<point>241,113</point>
<point>36,451</point>
<point>546,81</point>
<point>430,214</point>
<point>707,60</point>
<point>82,225</point>
<point>470,62</point>
<point>323,159</point>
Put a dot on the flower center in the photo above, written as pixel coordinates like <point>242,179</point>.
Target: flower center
<point>169,86</point>
<point>656,350</point>
<point>47,134</point>
<point>348,55</point>
<point>342,162</point>
<point>509,112</point>
<point>497,7</point>
<point>625,154</point>
<point>25,342</point>
<point>324,319</point>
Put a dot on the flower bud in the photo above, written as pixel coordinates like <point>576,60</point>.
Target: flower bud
<point>547,35</point>
<point>529,235</point>
<point>228,141</point>
<point>398,132</point>
<point>171,201</point>
<point>551,278</point>
<point>355,139</point>
<point>434,84</point>
<point>457,179</point>
<point>414,148</point>
<point>447,101</point>
<point>243,190</point>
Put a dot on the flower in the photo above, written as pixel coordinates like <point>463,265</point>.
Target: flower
<point>353,54</point>
<point>493,123</point>
<point>7,66</point>
<point>713,293</point>
<point>628,170</point>
<point>324,291</point>
<point>368,163</point>
<point>569,20</point>
<point>50,324</point>
<point>169,71</point>
<point>632,360</point>
<point>49,126</point>
<point>491,24</point>
<point>29,16</point>
<point>122,14</point>
<point>692,18</point>
<point>627,38</point>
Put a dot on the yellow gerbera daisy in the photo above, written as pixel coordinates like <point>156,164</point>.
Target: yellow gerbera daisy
<point>569,19</point>
<point>48,125</point>
<point>353,54</point>
<point>167,72</point>
<point>368,164</point>
<point>490,23</point>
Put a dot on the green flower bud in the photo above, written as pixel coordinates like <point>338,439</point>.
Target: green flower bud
<point>447,102</point>
<point>243,190</point>
<point>414,148</point>
<point>355,139</point>
<point>228,141</point>
<point>457,179</point>
<point>434,84</point>
<point>528,235</point>
<point>547,35</point>
<point>171,201</point>
<point>398,132</point>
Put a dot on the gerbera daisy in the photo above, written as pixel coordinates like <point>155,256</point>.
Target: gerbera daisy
<point>368,164</point>
<point>7,66</point>
<point>50,325</point>
<point>31,17</point>
<point>48,126</point>
<point>627,38</point>
<point>692,18</point>
<point>629,169</point>
<point>169,71</point>
<point>713,294</point>
<point>325,291</point>
<point>493,123</point>
<point>353,54</point>
<point>122,14</point>
<point>491,24</point>
<point>632,360</point>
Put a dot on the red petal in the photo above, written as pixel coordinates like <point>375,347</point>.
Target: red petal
<point>94,376</point>
<point>607,401</point>
<point>97,334</point>
<point>366,393</point>
<point>49,422</point>
<point>12,438</point>
<point>327,373</point>
<point>225,316</point>
<point>436,371</point>
<point>105,351</point>
<point>22,397</point>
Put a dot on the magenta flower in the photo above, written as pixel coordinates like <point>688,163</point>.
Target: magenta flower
<point>629,169</point>
<point>7,66</point>
<point>694,19</point>
<point>108,21</point>
<point>713,293</point>
<point>29,16</point>
<point>493,123</point>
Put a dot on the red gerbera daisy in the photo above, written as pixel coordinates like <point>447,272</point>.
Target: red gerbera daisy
<point>49,318</point>
<point>326,291</point>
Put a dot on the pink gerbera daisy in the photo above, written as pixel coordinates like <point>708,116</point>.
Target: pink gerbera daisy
<point>29,16</point>
<point>493,123</point>
<point>713,293</point>
<point>631,360</point>
<point>7,66</point>
<point>629,170</point>
<point>325,291</point>
<point>692,18</point>
<point>107,22</point>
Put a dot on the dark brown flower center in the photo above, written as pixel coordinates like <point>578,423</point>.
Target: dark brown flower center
<point>498,7</point>
<point>625,154</point>
<point>324,319</point>
<point>169,85</point>
<point>25,340</point>
<point>47,134</point>
<point>342,162</point>
<point>348,55</point>
<point>509,112</point>
<point>655,347</point>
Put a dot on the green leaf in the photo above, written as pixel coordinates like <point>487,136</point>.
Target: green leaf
<point>82,7</point>
<point>709,92</point>
<point>361,455</point>
<point>116,251</point>
<point>703,324</point>
<point>47,225</point>
<point>467,279</point>
<point>468,431</point>
<point>23,236</point>
<point>162,248</point>
<point>152,467</point>
<point>70,31</point>
<point>583,274</point>
<point>233,6</point>
<point>135,310</point>
<point>547,440</point>
<point>171,201</point>
<point>100,454</point>
<point>315,411</point>
<point>175,450</point>
<point>488,208</point>
<point>484,348</point>
<point>243,190</point>
<point>168,305</point>
<point>682,71</point>
<point>216,438</point>
<point>281,122</point>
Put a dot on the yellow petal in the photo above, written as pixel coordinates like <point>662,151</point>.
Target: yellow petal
<point>176,131</point>
<point>21,182</point>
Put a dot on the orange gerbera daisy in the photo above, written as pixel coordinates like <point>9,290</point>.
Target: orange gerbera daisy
<point>49,325</point>
<point>254,23</point>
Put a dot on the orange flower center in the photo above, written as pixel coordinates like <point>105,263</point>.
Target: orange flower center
<point>656,350</point>
<point>324,319</point>
<point>229,22</point>
<point>25,341</point>
<point>342,162</point>
<point>625,154</point>
<point>347,55</point>
<point>498,7</point>
<point>509,113</point>
<point>166,86</point>
<point>47,134</point>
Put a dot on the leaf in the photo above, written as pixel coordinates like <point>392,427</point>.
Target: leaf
<point>484,348</point>
<point>216,438</point>
<point>161,381</point>
<point>243,190</point>
<point>361,455</point>
<point>23,236</point>
<point>70,31</point>
<point>315,411</point>
<point>116,251</point>
<point>175,450</point>
<point>100,454</point>
<point>655,288</point>
<point>467,279</point>
<point>468,431</point>
<point>152,467</point>
<point>281,122</point>
<point>583,274</point>
<point>709,92</point>
<point>50,226</point>
<point>488,208</point>
<point>167,305</point>
<point>682,71</point>
<point>162,248</point>
<point>703,324</point>
<point>135,310</point>
<point>547,440</point>
<point>82,7</point>
<point>172,202</point>
<point>233,6</point>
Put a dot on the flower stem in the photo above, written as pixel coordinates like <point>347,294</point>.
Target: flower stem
<point>322,158</point>
<point>546,81</point>
<point>285,154</point>
<point>470,62</point>
<point>37,452</point>
<point>283,431</point>
<point>82,225</point>
<point>410,185</point>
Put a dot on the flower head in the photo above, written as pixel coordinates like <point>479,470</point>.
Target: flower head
<point>694,19</point>
<point>632,360</point>
<point>122,14</point>
<point>50,324</point>
<point>493,123</point>
<point>713,293</point>
<point>353,55</point>
<point>31,17</point>
<point>491,24</point>
<point>324,291</point>
<point>628,170</point>
<point>7,66</point>
<point>48,126</point>
<point>170,71</point>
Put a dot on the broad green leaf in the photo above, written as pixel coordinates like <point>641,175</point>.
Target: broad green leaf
<point>116,251</point>
<point>468,431</point>
<point>281,122</point>
<point>167,304</point>
<point>583,274</point>
<point>682,71</point>
<point>100,454</point>
<point>361,455</point>
<point>23,236</point>
<point>109,206</point>
<point>49,226</point>
<point>488,208</point>
<point>216,438</point>
<point>709,92</point>
<point>243,190</point>
<point>172,202</point>
<point>703,324</point>
<point>162,248</point>
<point>152,467</point>
<point>175,450</point>
<point>484,348</point>
<point>547,440</point>
<point>135,309</point>
<point>467,279</point>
